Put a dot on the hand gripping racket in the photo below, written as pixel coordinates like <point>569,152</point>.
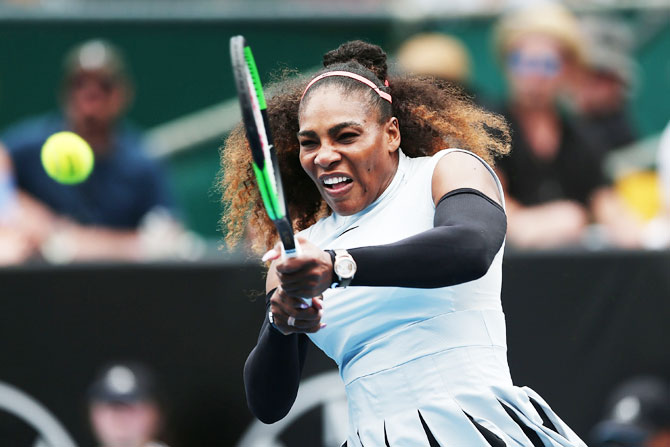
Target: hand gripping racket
<point>264,158</point>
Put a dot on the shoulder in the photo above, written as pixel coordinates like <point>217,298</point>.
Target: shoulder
<point>133,154</point>
<point>461,169</point>
<point>131,144</point>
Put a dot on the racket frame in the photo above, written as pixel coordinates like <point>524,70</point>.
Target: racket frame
<point>264,157</point>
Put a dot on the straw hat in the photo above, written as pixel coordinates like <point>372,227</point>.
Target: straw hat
<point>435,54</point>
<point>548,19</point>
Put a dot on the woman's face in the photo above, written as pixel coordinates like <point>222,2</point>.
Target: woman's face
<point>348,154</point>
<point>535,70</point>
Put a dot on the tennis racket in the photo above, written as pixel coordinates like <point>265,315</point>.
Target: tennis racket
<point>264,157</point>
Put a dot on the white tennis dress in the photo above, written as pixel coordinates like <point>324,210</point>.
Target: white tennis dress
<point>424,365</point>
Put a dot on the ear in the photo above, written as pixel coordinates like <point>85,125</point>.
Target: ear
<point>392,130</point>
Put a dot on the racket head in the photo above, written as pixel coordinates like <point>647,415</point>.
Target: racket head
<point>264,159</point>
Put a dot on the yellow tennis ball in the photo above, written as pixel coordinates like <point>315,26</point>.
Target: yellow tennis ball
<point>67,158</point>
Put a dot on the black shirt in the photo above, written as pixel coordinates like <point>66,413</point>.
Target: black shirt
<point>574,173</point>
<point>607,132</point>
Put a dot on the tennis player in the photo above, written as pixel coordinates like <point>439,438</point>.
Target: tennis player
<point>401,250</point>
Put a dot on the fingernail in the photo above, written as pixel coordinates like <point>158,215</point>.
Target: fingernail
<point>272,253</point>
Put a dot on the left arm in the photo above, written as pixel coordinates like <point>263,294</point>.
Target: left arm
<point>469,229</point>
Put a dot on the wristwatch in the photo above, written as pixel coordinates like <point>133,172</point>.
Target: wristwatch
<point>344,267</point>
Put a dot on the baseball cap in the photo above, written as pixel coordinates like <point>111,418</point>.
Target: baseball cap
<point>99,56</point>
<point>123,383</point>
<point>608,47</point>
<point>636,409</point>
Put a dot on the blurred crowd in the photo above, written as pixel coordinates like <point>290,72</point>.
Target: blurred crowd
<point>569,80</point>
<point>569,84</point>
<point>572,180</point>
<point>123,211</point>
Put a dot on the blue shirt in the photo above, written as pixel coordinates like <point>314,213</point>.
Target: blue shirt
<point>125,184</point>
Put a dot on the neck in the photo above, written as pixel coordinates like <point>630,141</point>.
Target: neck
<point>391,176</point>
<point>541,129</point>
<point>100,138</point>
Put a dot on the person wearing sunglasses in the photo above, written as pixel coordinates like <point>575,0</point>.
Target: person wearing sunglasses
<point>99,218</point>
<point>558,193</point>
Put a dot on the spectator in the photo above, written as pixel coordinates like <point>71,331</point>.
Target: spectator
<point>554,182</point>
<point>123,407</point>
<point>22,225</point>
<point>15,246</point>
<point>100,217</point>
<point>436,55</point>
<point>638,415</point>
<point>603,84</point>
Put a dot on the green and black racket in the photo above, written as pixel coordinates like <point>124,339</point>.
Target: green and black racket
<point>264,157</point>
<point>254,115</point>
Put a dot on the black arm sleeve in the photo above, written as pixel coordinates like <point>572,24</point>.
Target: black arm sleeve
<point>469,229</point>
<point>272,371</point>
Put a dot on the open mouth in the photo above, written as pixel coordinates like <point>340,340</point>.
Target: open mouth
<point>336,182</point>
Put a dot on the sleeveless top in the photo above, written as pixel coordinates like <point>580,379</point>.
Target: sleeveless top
<point>422,364</point>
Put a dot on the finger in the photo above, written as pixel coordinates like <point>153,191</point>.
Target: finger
<point>304,294</point>
<point>295,265</point>
<point>302,325</point>
<point>301,239</point>
<point>271,255</point>
<point>295,278</point>
<point>317,302</point>
<point>282,304</point>
<point>281,321</point>
<point>310,314</point>
<point>297,318</point>
<point>301,291</point>
<point>278,323</point>
<point>315,328</point>
<point>298,303</point>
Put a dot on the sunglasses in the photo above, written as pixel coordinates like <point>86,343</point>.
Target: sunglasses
<point>545,65</point>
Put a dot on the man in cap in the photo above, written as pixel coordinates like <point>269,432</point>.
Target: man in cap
<point>638,415</point>
<point>100,217</point>
<point>123,408</point>
<point>603,85</point>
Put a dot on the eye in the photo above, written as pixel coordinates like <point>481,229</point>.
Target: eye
<point>308,144</point>
<point>347,137</point>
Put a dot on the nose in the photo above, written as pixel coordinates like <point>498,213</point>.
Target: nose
<point>326,156</point>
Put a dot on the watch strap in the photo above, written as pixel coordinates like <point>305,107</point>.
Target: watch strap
<point>334,280</point>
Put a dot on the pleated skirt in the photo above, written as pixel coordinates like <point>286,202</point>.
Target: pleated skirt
<point>457,398</point>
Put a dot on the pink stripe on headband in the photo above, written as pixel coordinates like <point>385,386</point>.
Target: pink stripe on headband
<point>348,74</point>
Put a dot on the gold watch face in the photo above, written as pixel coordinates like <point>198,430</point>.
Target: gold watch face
<point>345,267</point>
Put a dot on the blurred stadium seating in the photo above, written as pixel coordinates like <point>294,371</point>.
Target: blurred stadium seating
<point>178,51</point>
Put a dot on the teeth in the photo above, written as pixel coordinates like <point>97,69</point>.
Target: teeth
<point>334,180</point>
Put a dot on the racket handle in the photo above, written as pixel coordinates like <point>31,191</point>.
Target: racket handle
<point>292,254</point>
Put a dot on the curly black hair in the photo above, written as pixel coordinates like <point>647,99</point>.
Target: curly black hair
<point>432,115</point>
